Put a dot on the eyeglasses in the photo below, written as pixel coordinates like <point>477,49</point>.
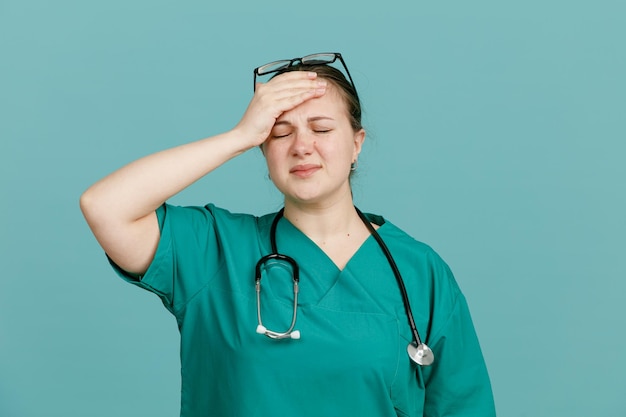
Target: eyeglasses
<point>323,58</point>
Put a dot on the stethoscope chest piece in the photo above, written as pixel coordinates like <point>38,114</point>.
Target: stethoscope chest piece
<point>420,354</point>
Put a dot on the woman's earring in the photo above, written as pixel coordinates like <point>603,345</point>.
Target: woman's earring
<point>354,165</point>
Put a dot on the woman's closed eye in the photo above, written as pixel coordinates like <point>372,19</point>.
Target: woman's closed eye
<point>280,133</point>
<point>321,129</point>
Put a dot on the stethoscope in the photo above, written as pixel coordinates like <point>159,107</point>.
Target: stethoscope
<point>418,351</point>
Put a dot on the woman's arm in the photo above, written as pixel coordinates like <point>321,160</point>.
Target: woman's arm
<point>120,208</point>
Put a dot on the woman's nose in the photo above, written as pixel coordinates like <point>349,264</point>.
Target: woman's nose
<point>303,143</point>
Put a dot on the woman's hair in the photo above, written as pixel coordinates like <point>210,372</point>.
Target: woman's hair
<point>344,87</point>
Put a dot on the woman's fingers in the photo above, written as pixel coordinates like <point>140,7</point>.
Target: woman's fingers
<point>288,90</point>
<point>290,85</point>
<point>271,99</point>
<point>291,96</point>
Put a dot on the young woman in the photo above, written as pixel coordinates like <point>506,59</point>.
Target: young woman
<point>352,300</point>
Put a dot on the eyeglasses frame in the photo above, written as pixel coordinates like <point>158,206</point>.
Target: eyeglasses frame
<point>302,61</point>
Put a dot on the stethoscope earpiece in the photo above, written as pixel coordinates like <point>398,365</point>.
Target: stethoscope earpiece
<point>289,334</point>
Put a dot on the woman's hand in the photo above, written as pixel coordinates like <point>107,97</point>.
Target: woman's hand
<point>282,93</point>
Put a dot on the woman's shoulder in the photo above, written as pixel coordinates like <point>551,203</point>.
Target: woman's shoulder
<point>419,259</point>
<point>199,219</point>
<point>209,211</point>
<point>213,223</point>
<point>397,237</point>
<point>412,251</point>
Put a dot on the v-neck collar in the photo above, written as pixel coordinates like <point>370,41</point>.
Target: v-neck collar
<point>320,255</point>
<point>318,272</point>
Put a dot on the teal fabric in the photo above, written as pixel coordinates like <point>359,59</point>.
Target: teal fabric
<point>351,359</point>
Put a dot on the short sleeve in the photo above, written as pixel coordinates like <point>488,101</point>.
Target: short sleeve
<point>186,259</point>
<point>457,383</point>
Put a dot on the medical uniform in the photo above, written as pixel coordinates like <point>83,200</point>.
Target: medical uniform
<point>351,359</point>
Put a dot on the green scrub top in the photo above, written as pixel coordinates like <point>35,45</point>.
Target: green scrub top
<point>351,359</point>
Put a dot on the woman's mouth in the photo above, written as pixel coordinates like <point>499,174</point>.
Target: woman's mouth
<point>305,170</point>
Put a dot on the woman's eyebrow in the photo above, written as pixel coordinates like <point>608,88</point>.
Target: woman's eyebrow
<point>316,118</point>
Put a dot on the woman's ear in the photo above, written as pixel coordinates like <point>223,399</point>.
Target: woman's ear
<point>359,138</point>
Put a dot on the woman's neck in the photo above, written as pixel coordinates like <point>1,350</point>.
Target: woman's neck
<point>327,222</point>
<point>336,229</point>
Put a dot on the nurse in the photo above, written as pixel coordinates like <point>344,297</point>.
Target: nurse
<point>346,349</point>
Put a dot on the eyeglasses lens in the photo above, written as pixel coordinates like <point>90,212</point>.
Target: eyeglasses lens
<point>273,67</point>
<point>319,59</point>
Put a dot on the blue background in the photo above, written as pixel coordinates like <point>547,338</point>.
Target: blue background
<point>494,135</point>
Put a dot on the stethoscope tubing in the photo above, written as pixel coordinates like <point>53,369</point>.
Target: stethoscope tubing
<point>396,273</point>
<point>419,352</point>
